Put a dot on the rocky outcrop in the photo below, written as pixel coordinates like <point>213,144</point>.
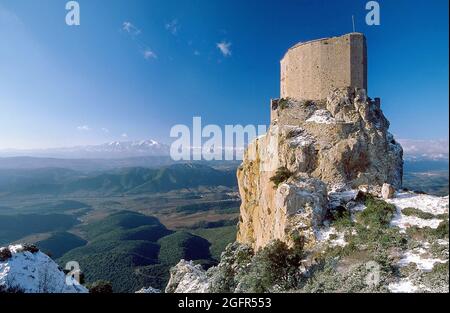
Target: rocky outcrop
<point>310,148</point>
<point>186,277</point>
<point>25,269</point>
<point>346,255</point>
<point>387,191</point>
<point>148,290</point>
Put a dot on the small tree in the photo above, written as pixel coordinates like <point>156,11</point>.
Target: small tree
<point>5,254</point>
<point>101,286</point>
<point>281,175</point>
<point>275,266</point>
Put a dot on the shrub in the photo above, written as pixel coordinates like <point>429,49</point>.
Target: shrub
<point>442,230</point>
<point>418,213</point>
<point>428,233</point>
<point>333,237</point>
<point>101,286</point>
<point>276,266</point>
<point>4,289</point>
<point>341,218</point>
<point>283,104</point>
<point>378,213</point>
<point>281,175</point>
<point>234,264</point>
<point>308,103</point>
<point>5,254</point>
<point>30,248</point>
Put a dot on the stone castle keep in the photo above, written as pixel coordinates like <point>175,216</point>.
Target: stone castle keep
<point>313,69</point>
<point>325,134</point>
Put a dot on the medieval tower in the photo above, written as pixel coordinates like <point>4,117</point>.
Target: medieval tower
<point>313,69</point>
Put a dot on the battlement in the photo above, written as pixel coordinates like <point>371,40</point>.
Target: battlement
<point>313,69</point>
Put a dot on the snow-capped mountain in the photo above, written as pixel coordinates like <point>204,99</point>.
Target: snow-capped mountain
<point>110,150</point>
<point>127,148</point>
<point>28,270</point>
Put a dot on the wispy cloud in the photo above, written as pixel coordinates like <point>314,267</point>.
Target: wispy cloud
<point>225,48</point>
<point>425,147</point>
<point>83,128</point>
<point>105,130</point>
<point>173,26</point>
<point>124,135</point>
<point>130,28</point>
<point>149,54</point>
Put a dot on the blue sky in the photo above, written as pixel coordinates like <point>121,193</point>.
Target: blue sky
<point>101,81</point>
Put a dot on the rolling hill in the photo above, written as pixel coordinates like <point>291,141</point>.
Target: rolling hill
<point>134,180</point>
<point>132,250</point>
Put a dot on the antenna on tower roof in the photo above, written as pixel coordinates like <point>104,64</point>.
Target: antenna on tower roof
<point>353,22</point>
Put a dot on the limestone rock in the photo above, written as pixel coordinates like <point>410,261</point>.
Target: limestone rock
<point>148,290</point>
<point>185,277</point>
<point>23,268</point>
<point>387,191</point>
<point>342,140</point>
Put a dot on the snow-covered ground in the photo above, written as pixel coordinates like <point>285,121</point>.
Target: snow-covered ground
<point>402,286</point>
<point>426,203</point>
<point>421,256</point>
<point>324,234</point>
<point>35,273</point>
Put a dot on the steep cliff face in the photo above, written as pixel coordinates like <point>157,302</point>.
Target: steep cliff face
<point>313,147</point>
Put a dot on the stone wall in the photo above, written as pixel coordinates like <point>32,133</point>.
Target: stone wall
<point>313,69</point>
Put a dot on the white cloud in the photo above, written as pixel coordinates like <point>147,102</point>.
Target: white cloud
<point>425,147</point>
<point>83,128</point>
<point>105,130</point>
<point>173,26</point>
<point>225,48</point>
<point>124,135</point>
<point>130,28</point>
<point>134,31</point>
<point>149,54</point>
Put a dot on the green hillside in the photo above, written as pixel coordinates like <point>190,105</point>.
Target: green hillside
<point>133,180</point>
<point>132,250</point>
<point>183,245</point>
<point>59,243</point>
<point>14,227</point>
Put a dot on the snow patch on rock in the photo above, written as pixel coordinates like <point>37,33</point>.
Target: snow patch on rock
<point>148,290</point>
<point>324,234</point>
<point>321,117</point>
<point>35,273</point>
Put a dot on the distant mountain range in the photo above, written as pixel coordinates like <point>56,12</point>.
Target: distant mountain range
<point>134,180</point>
<point>150,153</point>
<point>110,150</point>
